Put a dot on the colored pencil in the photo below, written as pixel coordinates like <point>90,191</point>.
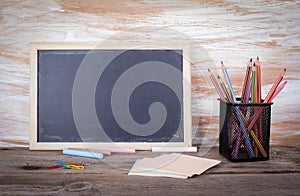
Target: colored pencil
<point>253,85</point>
<point>237,136</point>
<point>243,128</point>
<point>225,90</point>
<point>258,98</point>
<point>246,110</point>
<point>253,135</point>
<point>246,81</point>
<point>238,112</point>
<point>248,90</point>
<point>278,90</point>
<point>216,85</point>
<point>254,100</point>
<point>258,79</point>
<point>275,90</point>
<point>226,76</point>
<point>271,95</point>
<point>260,147</point>
<point>256,132</point>
<point>275,85</point>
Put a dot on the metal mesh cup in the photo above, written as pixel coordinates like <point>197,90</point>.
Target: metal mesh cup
<point>232,138</point>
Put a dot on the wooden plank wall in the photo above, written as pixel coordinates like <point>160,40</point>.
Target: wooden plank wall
<point>228,31</point>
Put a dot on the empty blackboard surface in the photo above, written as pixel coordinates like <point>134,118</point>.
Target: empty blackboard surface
<point>84,94</point>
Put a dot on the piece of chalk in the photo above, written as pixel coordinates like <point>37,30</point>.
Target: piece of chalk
<point>82,153</point>
<point>174,149</point>
<point>116,150</point>
<point>104,152</point>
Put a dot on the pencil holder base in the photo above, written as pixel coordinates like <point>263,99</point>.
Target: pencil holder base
<point>236,142</point>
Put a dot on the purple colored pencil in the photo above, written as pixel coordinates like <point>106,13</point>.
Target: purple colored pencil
<point>238,136</point>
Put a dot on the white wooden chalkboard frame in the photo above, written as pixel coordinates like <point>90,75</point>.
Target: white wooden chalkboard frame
<point>187,119</point>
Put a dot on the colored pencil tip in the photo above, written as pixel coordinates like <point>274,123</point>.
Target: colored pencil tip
<point>253,64</point>
<point>208,69</point>
<point>222,65</point>
<point>251,60</point>
<point>257,58</point>
<point>218,77</point>
<point>284,69</point>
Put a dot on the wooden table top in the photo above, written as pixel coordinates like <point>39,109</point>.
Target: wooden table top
<point>22,172</point>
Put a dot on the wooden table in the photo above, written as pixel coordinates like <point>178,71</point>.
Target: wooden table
<point>22,172</point>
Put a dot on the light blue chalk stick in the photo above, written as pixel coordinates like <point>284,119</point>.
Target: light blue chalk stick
<point>82,153</point>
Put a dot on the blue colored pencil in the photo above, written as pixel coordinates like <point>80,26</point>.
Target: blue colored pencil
<point>228,81</point>
<point>238,112</point>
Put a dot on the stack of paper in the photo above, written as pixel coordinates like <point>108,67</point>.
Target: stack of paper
<point>172,165</point>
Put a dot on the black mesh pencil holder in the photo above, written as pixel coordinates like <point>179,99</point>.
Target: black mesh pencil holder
<point>245,131</point>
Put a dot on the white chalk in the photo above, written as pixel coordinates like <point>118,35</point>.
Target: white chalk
<point>174,149</point>
<point>116,150</point>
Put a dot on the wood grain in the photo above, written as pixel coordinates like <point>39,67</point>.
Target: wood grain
<point>23,172</point>
<point>218,30</point>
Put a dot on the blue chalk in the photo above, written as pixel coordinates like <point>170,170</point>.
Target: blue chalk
<point>83,153</point>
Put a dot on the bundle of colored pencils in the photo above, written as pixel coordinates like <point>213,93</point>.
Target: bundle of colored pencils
<point>247,122</point>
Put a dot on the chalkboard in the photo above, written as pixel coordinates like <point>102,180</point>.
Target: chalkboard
<point>121,95</point>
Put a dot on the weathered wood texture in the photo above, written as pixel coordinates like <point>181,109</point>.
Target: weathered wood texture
<point>232,31</point>
<point>22,172</point>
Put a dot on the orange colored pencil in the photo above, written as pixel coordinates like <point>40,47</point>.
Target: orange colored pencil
<point>258,126</point>
<point>253,90</point>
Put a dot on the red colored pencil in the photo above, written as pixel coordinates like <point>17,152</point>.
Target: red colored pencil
<point>275,85</point>
<point>246,81</point>
<point>278,90</point>
<point>271,95</point>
